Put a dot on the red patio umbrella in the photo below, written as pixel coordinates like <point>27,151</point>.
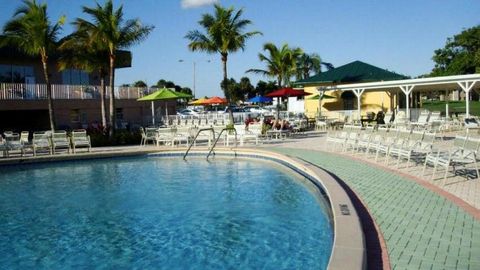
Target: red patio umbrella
<point>215,100</point>
<point>285,92</point>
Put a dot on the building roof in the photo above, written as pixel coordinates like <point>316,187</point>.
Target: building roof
<point>354,72</point>
<point>11,53</point>
<point>440,83</point>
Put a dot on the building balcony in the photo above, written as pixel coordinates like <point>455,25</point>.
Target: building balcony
<point>21,91</point>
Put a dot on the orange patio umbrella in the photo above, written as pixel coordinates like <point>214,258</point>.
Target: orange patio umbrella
<point>215,100</point>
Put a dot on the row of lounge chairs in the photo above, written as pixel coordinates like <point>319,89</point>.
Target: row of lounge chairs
<point>195,122</point>
<point>178,135</point>
<point>46,141</point>
<point>406,144</point>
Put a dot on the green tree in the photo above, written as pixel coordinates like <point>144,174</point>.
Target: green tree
<point>281,63</point>
<point>308,64</point>
<point>461,54</point>
<point>186,90</point>
<point>264,88</point>
<point>230,88</point>
<point>245,88</point>
<point>224,34</point>
<point>31,31</point>
<point>80,50</point>
<point>109,27</point>
<point>140,84</point>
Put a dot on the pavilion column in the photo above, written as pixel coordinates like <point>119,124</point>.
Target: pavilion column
<point>407,90</point>
<point>466,87</point>
<point>321,93</point>
<point>153,114</point>
<point>358,92</point>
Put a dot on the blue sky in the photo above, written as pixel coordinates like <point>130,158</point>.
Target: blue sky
<point>397,35</point>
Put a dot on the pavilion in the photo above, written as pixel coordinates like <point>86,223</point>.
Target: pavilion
<point>466,83</point>
<point>351,73</point>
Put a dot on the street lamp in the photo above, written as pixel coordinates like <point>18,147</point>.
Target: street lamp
<point>194,73</point>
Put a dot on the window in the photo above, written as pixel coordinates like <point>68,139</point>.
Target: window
<point>75,77</point>
<point>15,73</point>
<point>119,113</point>
<point>75,116</point>
<point>348,98</point>
<point>6,73</point>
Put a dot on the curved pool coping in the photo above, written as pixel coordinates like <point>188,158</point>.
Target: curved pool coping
<point>349,248</point>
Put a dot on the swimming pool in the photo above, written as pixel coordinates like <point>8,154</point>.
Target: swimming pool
<point>158,212</point>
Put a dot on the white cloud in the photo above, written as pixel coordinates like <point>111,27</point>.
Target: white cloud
<point>197,3</point>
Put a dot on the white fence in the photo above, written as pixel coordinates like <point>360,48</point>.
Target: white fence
<point>21,91</point>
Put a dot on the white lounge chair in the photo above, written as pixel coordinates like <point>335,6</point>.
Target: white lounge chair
<point>41,141</point>
<point>149,134</point>
<point>80,139</point>
<point>463,153</point>
<point>13,143</point>
<point>60,140</point>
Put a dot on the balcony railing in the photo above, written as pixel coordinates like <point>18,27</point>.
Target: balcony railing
<point>21,91</point>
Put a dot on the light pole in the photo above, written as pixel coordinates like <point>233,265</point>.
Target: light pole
<point>194,73</point>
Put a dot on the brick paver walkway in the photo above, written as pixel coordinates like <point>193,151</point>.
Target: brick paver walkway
<point>422,230</point>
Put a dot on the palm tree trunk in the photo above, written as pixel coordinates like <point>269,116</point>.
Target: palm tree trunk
<point>112,122</point>
<point>103,89</point>
<point>225,85</point>
<point>224,64</point>
<point>51,114</point>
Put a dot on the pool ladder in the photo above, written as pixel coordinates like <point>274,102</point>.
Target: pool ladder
<point>215,140</point>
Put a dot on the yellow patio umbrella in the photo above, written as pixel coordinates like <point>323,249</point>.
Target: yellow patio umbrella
<point>198,101</point>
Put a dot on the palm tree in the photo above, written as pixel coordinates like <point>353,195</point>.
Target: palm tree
<point>78,51</point>
<point>308,63</point>
<point>31,31</point>
<point>224,35</point>
<point>281,63</point>
<point>109,28</point>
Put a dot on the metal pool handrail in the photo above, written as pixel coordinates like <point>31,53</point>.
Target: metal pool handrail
<point>219,135</point>
<point>194,139</point>
<point>216,140</point>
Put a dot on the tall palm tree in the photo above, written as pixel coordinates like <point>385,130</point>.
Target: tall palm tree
<point>109,28</point>
<point>224,34</point>
<point>310,63</point>
<point>307,64</point>
<point>80,50</point>
<point>31,31</point>
<point>281,63</point>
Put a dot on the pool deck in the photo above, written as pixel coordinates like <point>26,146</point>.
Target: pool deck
<point>424,225</point>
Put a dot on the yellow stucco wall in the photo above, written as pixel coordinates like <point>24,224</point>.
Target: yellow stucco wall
<point>370,102</point>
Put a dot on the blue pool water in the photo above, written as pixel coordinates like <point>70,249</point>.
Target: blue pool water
<point>161,213</point>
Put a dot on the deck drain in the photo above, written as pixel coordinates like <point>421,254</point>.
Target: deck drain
<point>344,210</point>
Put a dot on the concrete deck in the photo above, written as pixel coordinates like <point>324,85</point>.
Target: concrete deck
<point>424,227</point>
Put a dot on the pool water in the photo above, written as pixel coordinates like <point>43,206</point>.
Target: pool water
<point>161,213</point>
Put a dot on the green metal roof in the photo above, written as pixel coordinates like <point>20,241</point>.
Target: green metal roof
<point>354,72</point>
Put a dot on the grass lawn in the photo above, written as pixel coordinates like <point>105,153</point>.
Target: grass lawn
<point>454,106</point>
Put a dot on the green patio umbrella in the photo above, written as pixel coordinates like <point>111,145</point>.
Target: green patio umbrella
<point>323,97</point>
<point>163,94</point>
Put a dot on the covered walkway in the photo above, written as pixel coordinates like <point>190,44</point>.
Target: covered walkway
<point>466,83</point>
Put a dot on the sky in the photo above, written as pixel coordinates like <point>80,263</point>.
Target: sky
<point>400,36</point>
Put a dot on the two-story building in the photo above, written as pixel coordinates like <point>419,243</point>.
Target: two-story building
<point>76,97</point>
